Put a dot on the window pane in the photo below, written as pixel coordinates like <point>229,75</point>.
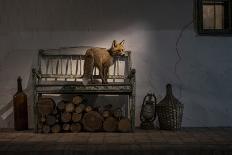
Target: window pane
<point>208,17</point>
<point>219,23</point>
<point>213,16</point>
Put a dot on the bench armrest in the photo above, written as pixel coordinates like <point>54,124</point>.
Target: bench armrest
<point>35,74</point>
<point>131,74</point>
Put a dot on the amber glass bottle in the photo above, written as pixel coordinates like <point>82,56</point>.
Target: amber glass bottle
<point>20,108</point>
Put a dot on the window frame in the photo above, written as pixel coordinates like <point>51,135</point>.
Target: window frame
<point>198,7</point>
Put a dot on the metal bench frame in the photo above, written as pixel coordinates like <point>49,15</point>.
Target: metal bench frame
<point>55,59</point>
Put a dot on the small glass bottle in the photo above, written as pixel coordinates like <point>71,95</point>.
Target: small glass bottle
<point>20,108</point>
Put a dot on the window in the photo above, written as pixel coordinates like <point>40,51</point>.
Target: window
<point>213,17</point>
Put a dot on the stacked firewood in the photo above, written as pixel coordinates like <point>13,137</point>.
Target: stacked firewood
<point>76,116</point>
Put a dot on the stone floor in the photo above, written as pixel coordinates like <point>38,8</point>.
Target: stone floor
<point>197,141</point>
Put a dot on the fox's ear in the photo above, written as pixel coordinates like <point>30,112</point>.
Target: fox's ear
<point>122,43</point>
<point>114,43</point>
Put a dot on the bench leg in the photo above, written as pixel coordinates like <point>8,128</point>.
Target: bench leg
<point>35,113</point>
<point>132,111</point>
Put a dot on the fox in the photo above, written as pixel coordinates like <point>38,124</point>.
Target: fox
<point>101,58</point>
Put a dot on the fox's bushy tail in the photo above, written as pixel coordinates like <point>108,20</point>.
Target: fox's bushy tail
<point>88,68</point>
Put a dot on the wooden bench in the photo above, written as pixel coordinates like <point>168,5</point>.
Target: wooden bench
<point>59,71</point>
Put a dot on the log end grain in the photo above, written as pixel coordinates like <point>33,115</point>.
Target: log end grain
<point>61,105</point>
<point>92,121</point>
<point>69,107</point>
<point>76,127</point>
<point>46,106</point>
<point>110,124</point>
<point>77,100</point>
<point>76,117</point>
<point>88,109</point>
<point>66,117</point>
<point>66,127</point>
<point>56,128</point>
<point>124,125</point>
<point>80,108</point>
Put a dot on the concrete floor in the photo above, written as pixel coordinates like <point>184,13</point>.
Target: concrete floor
<point>191,141</point>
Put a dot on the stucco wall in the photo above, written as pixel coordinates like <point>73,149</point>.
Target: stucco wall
<point>150,29</point>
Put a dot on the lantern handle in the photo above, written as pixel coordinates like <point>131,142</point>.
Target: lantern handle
<point>155,102</point>
<point>155,113</point>
<point>155,98</point>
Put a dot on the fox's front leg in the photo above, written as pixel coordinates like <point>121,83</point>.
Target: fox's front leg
<point>101,70</point>
<point>105,73</point>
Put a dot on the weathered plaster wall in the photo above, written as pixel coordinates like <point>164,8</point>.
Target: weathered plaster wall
<point>150,29</point>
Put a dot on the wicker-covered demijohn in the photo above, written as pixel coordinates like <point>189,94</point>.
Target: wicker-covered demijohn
<point>170,111</point>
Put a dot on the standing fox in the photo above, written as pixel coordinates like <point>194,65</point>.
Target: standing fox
<point>101,58</point>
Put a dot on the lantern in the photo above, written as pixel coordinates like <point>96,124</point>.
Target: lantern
<point>148,113</point>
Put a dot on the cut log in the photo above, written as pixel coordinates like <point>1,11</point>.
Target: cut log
<point>69,107</point>
<point>118,113</point>
<point>61,105</point>
<point>46,129</point>
<point>76,117</point>
<point>56,128</point>
<point>66,117</point>
<point>80,108</point>
<point>92,121</point>
<point>66,127</point>
<point>110,124</point>
<point>51,120</point>
<point>75,127</point>
<point>46,106</point>
<point>124,125</point>
<point>106,114</point>
<point>77,100</point>
<point>88,109</point>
